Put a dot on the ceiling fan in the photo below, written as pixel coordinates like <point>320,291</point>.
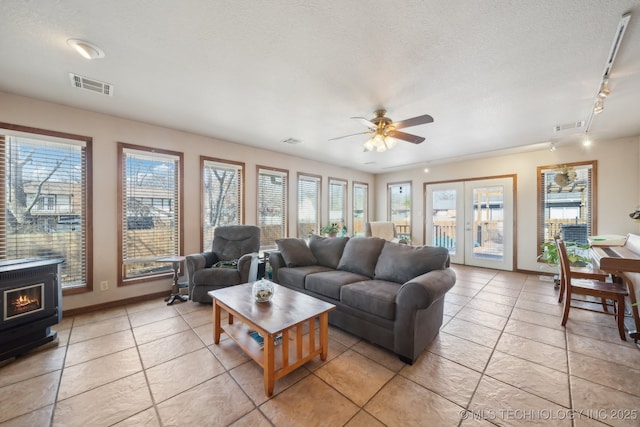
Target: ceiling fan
<point>385,132</point>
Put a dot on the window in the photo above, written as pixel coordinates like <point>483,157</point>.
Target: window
<point>360,203</point>
<point>222,196</point>
<point>338,201</point>
<point>308,205</point>
<point>399,208</point>
<point>272,205</point>
<point>566,202</point>
<point>150,202</point>
<point>45,181</point>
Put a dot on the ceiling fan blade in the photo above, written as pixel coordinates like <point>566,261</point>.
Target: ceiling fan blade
<point>368,123</point>
<point>420,120</point>
<point>353,134</point>
<point>415,139</point>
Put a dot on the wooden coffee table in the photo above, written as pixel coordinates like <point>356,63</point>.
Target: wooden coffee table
<point>286,314</point>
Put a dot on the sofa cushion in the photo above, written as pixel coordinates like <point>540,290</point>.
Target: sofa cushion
<point>295,252</point>
<point>361,254</point>
<point>377,297</point>
<point>328,283</point>
<point>294,277</point>
<point>401,263</point>
<point>327,250</point>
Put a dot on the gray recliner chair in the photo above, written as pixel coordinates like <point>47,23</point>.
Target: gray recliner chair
<point>215,269</point>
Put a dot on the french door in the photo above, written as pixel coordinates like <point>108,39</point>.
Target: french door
<point>474,220</point>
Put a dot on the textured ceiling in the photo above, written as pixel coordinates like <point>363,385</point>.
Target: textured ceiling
<point>495,75</point>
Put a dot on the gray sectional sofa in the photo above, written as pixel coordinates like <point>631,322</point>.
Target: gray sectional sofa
<point>387,293</point>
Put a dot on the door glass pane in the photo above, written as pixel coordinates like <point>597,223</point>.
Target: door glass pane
<point>400,208</point>
<point>444,219</point>
<point>360,194</point>
<point>488,222</point>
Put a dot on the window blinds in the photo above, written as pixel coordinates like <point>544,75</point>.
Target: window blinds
<point>337,201</point>
<point>43,202</point>
<point>151,211</point>
<point>272,206</point>
<point>308,205</point>
<point>222,198</point>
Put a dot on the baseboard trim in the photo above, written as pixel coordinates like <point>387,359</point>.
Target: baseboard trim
<point>111,304</point>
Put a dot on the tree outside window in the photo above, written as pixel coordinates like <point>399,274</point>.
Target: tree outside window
<point>222,195</point>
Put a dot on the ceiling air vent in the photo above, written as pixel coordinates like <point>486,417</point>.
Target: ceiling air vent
<point>567,126</point>
<point>91,85</point>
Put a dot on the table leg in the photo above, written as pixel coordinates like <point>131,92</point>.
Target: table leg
<point>324,335</point>
<point>216,323</point>
<point>269,376</point>
<point>175,289</point>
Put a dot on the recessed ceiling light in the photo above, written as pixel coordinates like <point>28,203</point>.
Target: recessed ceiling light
<point>86,49</point>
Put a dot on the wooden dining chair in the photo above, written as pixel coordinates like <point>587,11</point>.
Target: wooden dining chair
<point>588,272</point>
<point>614,292</point>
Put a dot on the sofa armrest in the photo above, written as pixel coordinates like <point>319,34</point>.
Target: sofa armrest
<point>420,292</point>
<point>195,262</point>
<point>275,261</point>
<point>244,265</point>
<point>419,309</point>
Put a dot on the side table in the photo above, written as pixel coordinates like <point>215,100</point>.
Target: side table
<point>175,260</point>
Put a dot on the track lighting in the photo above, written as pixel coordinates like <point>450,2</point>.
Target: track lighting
<point>552,147</point>
<point>586,141</point>
<point>604,89</point>
<point>598,107</point>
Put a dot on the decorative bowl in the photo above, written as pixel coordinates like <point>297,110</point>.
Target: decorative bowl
<point>263,290</point>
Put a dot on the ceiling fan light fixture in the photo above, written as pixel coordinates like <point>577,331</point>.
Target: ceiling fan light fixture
<point>85,49</point>
<point>368,146</point>
<point>380,143</point>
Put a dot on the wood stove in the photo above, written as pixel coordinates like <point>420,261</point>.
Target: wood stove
<point>30,303</point>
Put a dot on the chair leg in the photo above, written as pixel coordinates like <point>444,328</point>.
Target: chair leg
<point>605,306</point>
<point>562,288</point>
<point>620,315</point>
<point>567,306</point>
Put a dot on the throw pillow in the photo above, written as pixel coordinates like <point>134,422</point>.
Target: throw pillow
<point>360,255</point>
<point>327,250</point>
<point>401,263</point>
<point>295,252</point>
<point>226,264</point>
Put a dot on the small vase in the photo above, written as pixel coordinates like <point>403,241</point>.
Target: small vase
<point>263,290</point>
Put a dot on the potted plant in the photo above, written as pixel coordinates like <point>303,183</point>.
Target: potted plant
<point>578,255</point>
<point>331,229</point>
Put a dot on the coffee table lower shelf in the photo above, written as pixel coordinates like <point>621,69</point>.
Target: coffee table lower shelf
<point>300,341</point>
<point>297,355</point>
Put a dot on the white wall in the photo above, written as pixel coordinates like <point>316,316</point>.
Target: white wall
<point>107,131</point>
<point>618,191</point>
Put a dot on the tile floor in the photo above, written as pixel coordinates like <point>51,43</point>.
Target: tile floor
<point>501,358</point>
